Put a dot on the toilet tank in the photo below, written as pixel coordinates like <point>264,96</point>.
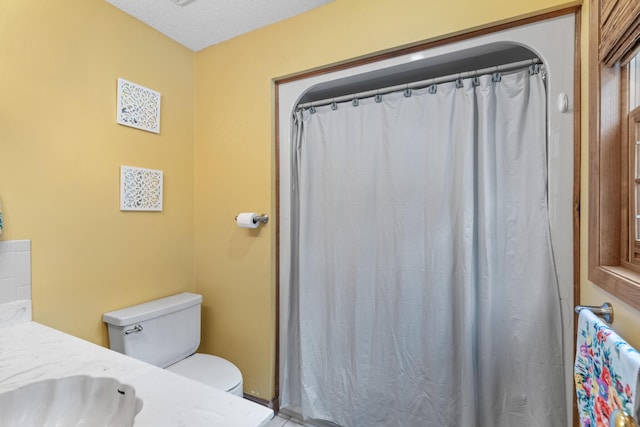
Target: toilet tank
<point>159,332</point>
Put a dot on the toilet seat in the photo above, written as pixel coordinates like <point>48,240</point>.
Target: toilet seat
<point>211,370</point>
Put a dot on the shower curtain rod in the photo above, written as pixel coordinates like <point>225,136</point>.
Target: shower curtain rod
<point>421,84</point>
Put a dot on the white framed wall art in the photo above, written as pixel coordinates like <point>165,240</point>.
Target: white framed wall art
<point>140,189</point>
<point>138,106</point>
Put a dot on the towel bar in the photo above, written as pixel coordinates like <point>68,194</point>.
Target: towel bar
<point>605,311</point>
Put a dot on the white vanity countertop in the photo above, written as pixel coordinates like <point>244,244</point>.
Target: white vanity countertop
<point>30,352</point>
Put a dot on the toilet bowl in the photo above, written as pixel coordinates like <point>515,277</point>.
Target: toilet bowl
<point>166,333</point>
<point>212,370</point>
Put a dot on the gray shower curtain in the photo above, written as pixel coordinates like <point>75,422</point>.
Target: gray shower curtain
<point>423,289</point>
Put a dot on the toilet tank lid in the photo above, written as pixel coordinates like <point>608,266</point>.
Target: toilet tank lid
<point>151,309</point>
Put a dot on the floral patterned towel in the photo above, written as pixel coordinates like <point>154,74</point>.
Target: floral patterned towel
<point>606,372</point>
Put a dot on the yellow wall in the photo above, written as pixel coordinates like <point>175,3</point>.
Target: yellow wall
<point>60,152</point>
<point>61,149</point>
<point>235,169</point>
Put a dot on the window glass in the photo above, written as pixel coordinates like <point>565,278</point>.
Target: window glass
<point>633,111</point>
<point>634,136</point>
<point>634,82</point>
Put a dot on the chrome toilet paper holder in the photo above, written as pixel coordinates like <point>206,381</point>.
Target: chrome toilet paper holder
<point>263,219</point>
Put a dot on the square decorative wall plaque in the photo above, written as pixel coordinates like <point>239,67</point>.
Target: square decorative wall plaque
<point>140,189</point>
<point>138,106</point>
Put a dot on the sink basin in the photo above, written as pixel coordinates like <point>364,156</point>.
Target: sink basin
<point>69,402</point>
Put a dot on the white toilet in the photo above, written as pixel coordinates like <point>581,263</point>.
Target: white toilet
<point>166,333</point>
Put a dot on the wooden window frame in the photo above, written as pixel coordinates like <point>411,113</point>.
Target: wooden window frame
<point>609,166</point>
<point>632,136</point>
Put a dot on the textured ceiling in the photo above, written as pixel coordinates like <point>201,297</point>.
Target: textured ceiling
<point>201,23</point>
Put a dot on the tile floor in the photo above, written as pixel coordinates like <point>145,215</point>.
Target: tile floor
<point>281,420</point>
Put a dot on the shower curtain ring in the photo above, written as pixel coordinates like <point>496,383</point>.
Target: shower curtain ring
<point>433,88</point>
<point>497,77</point>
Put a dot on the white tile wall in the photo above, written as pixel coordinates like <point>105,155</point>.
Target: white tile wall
<point>15,270</point>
